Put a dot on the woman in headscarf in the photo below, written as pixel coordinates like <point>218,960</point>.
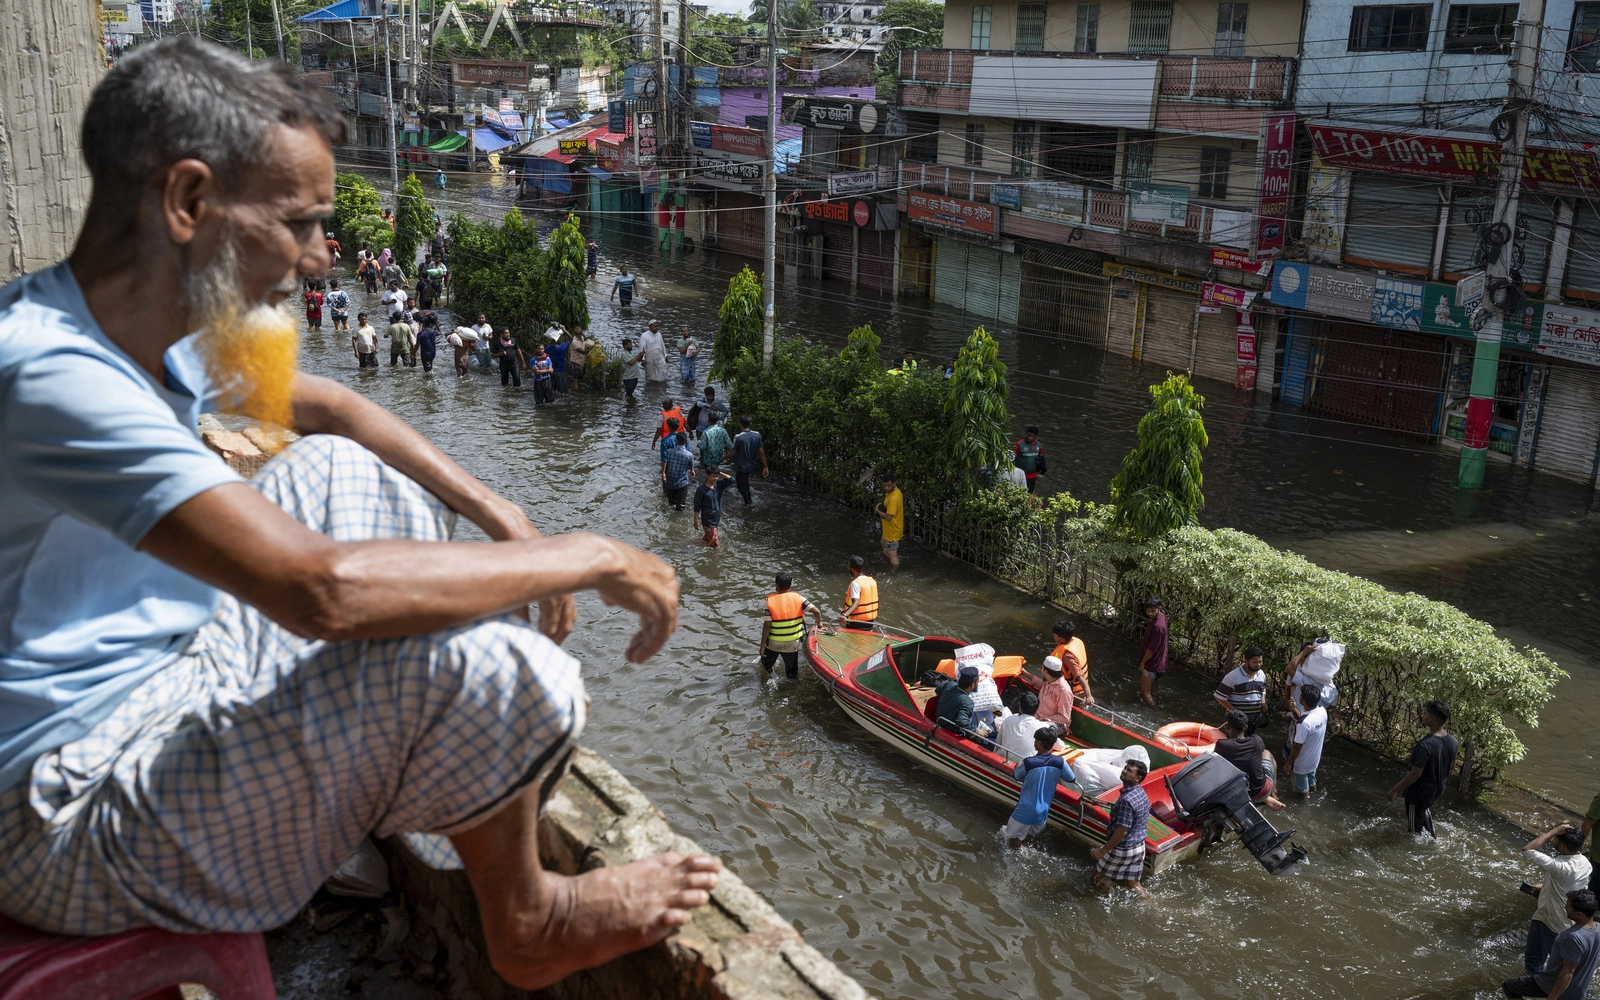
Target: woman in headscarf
<point>384,258</point>
<point>655,353</point>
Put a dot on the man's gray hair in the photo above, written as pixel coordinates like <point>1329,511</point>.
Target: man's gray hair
<point>187,99</point>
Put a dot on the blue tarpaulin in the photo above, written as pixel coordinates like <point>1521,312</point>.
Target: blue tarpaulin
<point>344,10</point>
<point>488,140</point>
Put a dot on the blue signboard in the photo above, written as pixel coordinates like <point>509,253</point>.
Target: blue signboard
<point>1290,282</point>
<point>617,118</point>
<point>1006,195</point>
<point>700,134</point>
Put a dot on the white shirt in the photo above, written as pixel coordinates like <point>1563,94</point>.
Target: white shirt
<point>397,296</point>
<point>1016,734</point>
<point>1563,873</point>
<point>1308,735</point>
<point>485,331</point>
<point>367,338</point>
<point>1017,477</point>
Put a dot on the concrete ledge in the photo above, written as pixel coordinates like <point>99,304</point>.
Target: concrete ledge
<point>736,948</point>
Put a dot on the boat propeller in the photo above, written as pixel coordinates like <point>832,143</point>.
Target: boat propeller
<point>1215,796</point>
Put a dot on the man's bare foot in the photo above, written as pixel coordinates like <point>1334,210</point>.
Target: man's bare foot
<point>1150,701</point>
<point>1275,804</point>
<point>580,922</point>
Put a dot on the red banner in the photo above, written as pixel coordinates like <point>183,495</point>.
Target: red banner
<point>1238,260</point>
<point>1277,145</point>
<point>1451,158</point>
<point>952,213</point>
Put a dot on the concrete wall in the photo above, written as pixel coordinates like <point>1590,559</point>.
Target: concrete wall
<point>51,56</point>
<point>736,948</point>
<point>1273,28</point>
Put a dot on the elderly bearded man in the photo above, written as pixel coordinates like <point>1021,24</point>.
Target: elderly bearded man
<point>211,691</point>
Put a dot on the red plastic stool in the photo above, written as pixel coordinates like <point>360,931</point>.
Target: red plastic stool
<point>146,964</point>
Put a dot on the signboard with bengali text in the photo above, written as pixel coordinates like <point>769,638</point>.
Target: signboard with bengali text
<point>1459,159</point>
<point>490,72</point>
<point>1277,177</point>
<point>574,147</point>
<point>952,213</point>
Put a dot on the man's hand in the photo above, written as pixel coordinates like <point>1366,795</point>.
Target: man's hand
<point>648,587</point>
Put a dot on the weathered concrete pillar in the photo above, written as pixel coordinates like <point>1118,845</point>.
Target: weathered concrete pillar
<point>51,56</point>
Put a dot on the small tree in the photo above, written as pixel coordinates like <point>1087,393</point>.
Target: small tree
<point>977,426</point>
<point>413,223</point>
<point>1158,489</point>
<point>565,291</point>
<point>738,322</point>
<point>863,343</point>
<point>354,199</point>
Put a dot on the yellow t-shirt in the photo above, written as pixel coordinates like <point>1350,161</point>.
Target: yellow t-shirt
<point>895,526</point>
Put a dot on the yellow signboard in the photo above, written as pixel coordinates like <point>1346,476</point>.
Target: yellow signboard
<point>113,16</point>
<point>1112,269</point>
<point>574,147</point>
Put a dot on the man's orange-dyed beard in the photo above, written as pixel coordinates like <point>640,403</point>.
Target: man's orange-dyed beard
<point>251,351</point>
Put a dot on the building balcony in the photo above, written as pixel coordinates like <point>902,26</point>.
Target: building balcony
<point>942,79</point>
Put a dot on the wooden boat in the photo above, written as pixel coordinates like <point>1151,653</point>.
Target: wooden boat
<point>868,672</point>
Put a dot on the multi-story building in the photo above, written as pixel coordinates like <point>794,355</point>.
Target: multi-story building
<point>853,20</point>
<point>1072,166</point>
<point>158,11</point>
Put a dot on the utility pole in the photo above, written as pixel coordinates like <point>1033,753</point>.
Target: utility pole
<point>249,42</point>
<point>1499,293</point>
<point>388,111</point>
<point>277,29</point>
<point>769,282</point>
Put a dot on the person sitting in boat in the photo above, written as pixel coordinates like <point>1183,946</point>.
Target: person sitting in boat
<point>1040,773</point>
<point>1244,689</point>
<point>955,698</point>
<point>861,598</point>
<point>1241,747</point>
<point>1055,696</point>
<point>1074,660</point>
<point>1121,858</point>
<point>1016,731</point>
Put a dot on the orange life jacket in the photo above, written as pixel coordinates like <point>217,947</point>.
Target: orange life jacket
<point>788,613</point>
<point>672,414</point>
<point>1073,655</point>
<point>867,608</point>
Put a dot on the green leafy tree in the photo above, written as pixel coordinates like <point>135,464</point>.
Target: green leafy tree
<point>863,342</point>
<point>413,223</point>
<point>497,270</point>
<point>1159,487</point>
<point>738,322</point>
<point>565,288</point>
<point>354,198</point>
<point>977,426</point>
<point>796,18</point>
<point>913,24</point>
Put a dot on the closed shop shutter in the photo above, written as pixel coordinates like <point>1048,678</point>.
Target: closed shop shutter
<point>1473,210</point>
<point>1010,287</point>
<point>1168,328</point>
<point>1216,352</point>
<point>1298,355</point>
<point>876,264</point>
<point>950,273</point>
<point>1569,423</point>
<point>1123,313</point>
<point>983,281</point>
<point>1583,260</point>
<point>741,224</point>
<point>838,250</point>
<point>1392,222</point>
<point>1380,377</point>
<point>1057,301</point>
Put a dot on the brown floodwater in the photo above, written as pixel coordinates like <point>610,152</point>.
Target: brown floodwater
<point>900,876</point>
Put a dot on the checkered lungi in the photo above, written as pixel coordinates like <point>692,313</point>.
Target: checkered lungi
<point>1124,863</point>
<point>233,782</point>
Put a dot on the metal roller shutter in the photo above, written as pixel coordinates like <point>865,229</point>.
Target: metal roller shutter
<point>875,268</point>
<point>741,224</point>
<point>1168,328</point>
<point>1392,222</point>
<point>1583,260</point>
<point>950,273</point>
<point>1380,377</point>
<point>1472,210</point>
<point>1216,352</point>
<point>838,250</point>
<point>1569,424</point>
<point>1010,287</point>
<point>983,281</point>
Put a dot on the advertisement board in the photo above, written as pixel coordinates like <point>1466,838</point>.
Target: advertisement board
<point>490,72</point>
<point>644,131</point>
<point>834,114</point>
<point>1167,203</point>
<point>574,147</point>
<point>1572,334</point>
<point>1462,159</point>
<point>1272,211</point>
<point>854,182</point>
<point>951,213</point>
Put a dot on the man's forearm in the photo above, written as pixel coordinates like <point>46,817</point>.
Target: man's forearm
<point>325,407</point>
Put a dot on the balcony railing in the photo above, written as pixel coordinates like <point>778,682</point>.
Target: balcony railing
<point>941,79</point>
<point>1099,208</point>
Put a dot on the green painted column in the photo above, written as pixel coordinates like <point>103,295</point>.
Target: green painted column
<point>1480,408</point>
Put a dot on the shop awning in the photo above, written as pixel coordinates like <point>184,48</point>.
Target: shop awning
<point>559,157</point>
<point>604,175</point>
<point>450,143</point>
<point>488,140</point>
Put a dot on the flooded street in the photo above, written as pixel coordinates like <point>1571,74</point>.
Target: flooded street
<point>900,876</point>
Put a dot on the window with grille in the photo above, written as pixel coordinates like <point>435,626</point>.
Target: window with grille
<point>1138,160</point>
<point>1022,149</point>
<point>982,18</point>
<point>1150,27</point>
<point>1214,172</point>
<point>1030,27</point>
<point>974,148</point>
<point>1484,28</point>
<point>1086,38</point>
<point>1078,153</point>
<point>1397,28</point>
<point>1583,44</point>
<point>1231,18</point>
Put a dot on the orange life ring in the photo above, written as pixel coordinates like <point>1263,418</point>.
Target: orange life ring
<point>1193,738</point>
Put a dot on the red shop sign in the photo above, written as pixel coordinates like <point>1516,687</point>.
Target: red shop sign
<point>1277,145</point>
<point>1544,168</point>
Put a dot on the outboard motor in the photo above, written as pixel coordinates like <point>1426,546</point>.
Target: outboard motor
<point>1213,794</point>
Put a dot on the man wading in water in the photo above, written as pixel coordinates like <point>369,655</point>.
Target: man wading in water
<point>226,686</point>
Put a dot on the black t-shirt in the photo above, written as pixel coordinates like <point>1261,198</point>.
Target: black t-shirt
<point>1436,755</point>
<point>1244,752</point>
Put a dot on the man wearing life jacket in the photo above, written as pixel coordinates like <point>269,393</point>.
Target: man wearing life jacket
<point>861,599</point>
<point>1029,454</point>
<point>669,411</point>
<point>785,626</point>
<point>1074,660</point>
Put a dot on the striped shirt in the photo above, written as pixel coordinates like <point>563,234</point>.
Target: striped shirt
<point>1243,690</point>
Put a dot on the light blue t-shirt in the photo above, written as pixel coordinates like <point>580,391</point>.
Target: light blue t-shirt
<point>93,452</point>
<point>1040,774</point>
